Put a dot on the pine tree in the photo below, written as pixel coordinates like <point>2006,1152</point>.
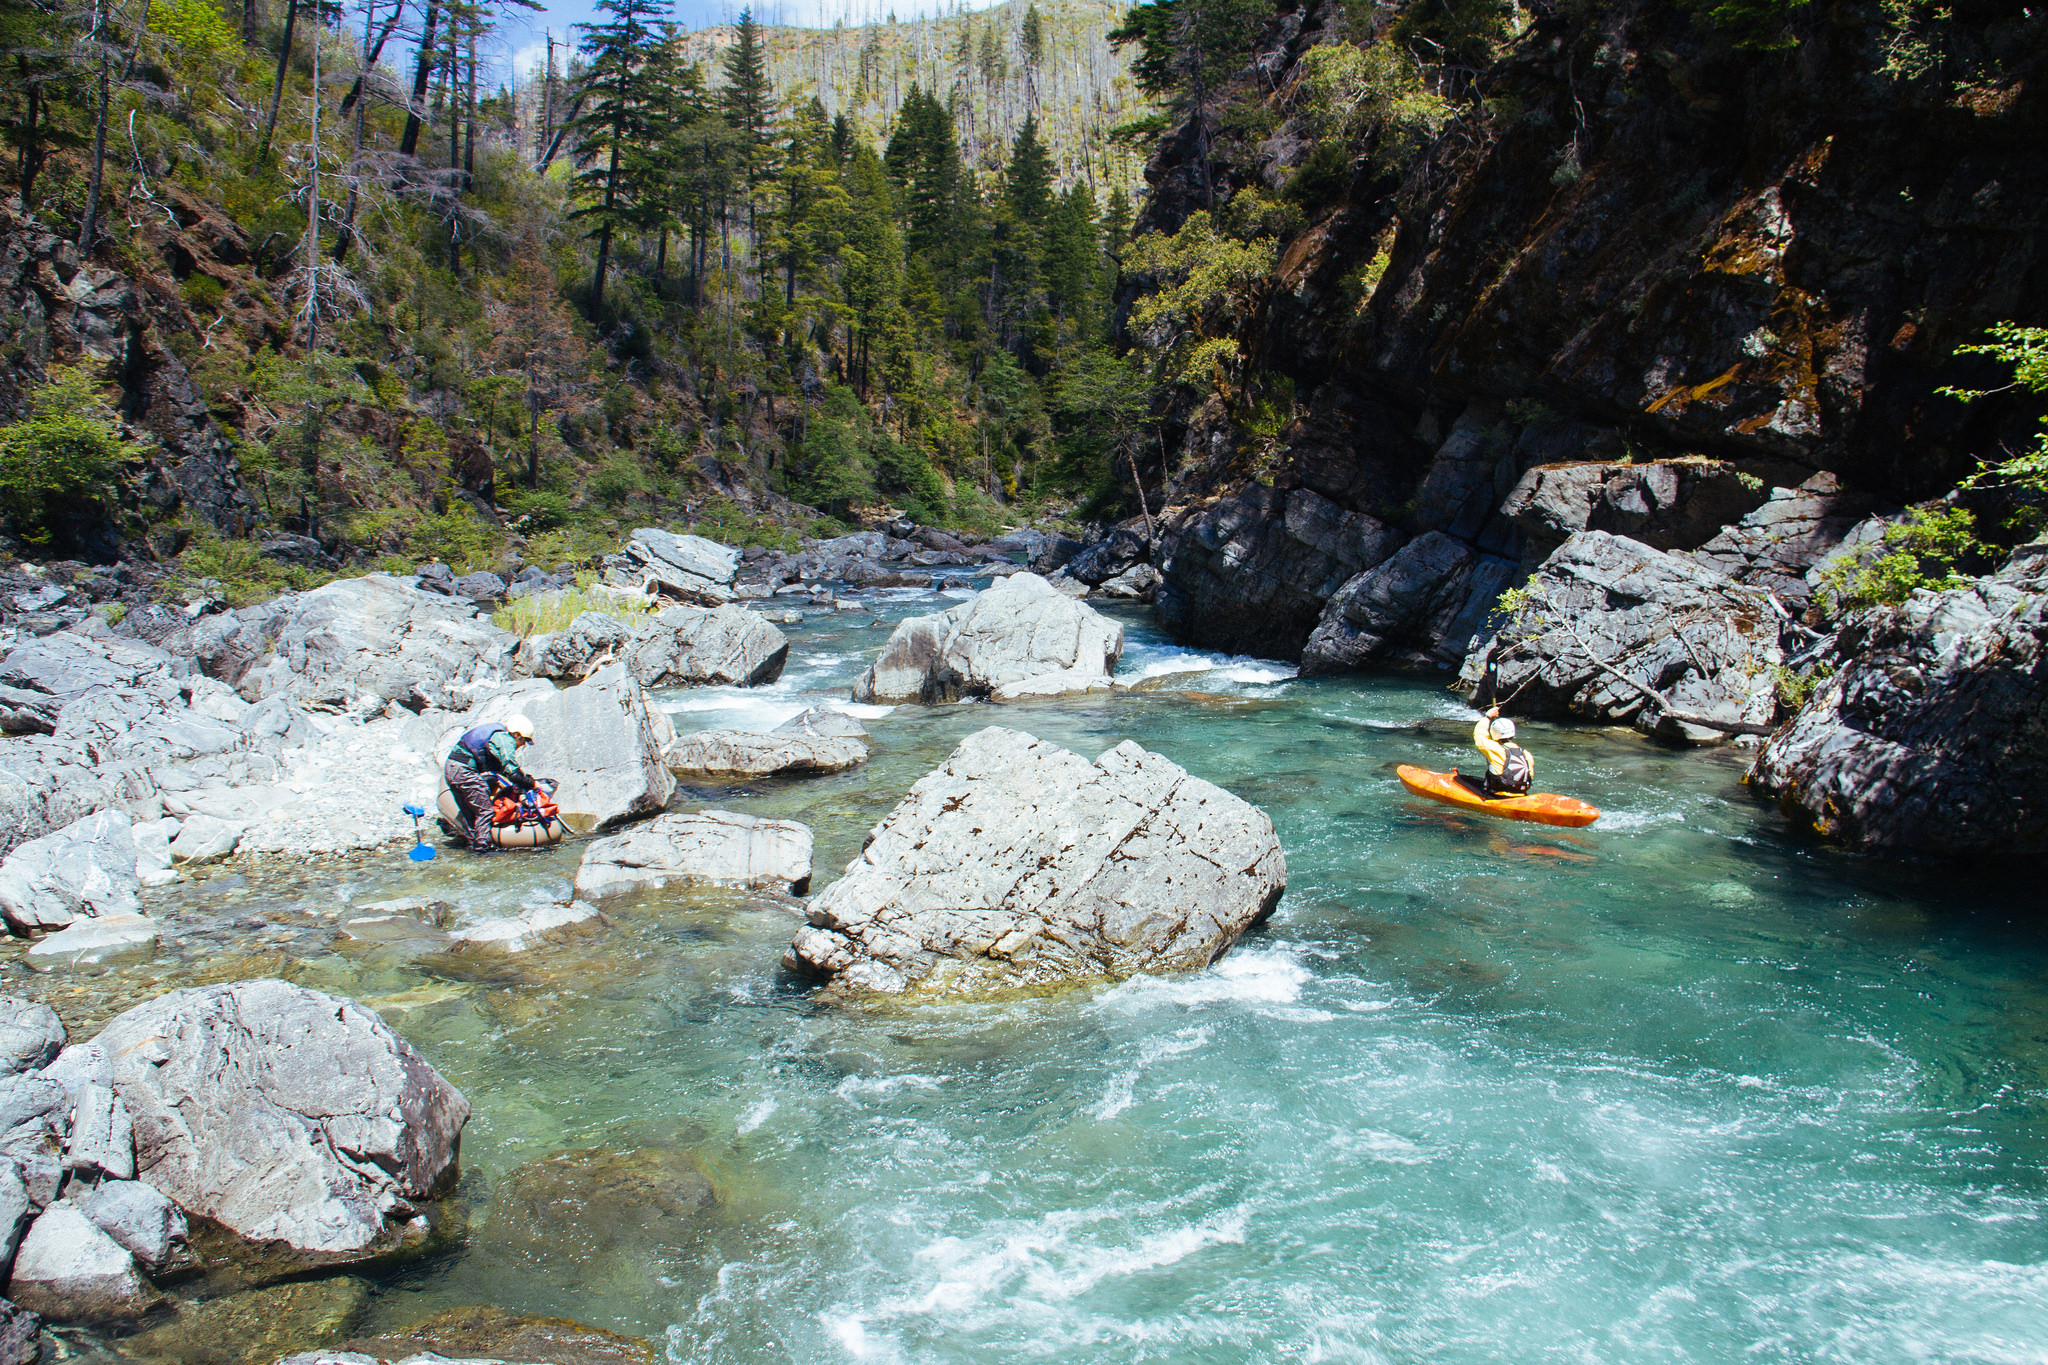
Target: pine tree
<point>1187,50</point>
<point>923,160</point>
<point>747,101</point>
<point>614,118</point>
<point>1029,180</point>
<point>872,259</point>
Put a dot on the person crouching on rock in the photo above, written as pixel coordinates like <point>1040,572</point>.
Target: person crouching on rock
<point>1509,768</point>
<point>487,750</point>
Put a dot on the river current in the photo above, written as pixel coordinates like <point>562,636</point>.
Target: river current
<point>1683,1086</point>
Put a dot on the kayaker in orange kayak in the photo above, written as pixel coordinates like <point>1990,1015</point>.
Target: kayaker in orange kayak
<point>1509,768</point>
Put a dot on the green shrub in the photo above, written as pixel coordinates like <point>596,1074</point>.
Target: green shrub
<point>616,480</point>
<point>1921,551</point>
<point>63,458</point>
<point>459,538</point>
<point>203,293</point>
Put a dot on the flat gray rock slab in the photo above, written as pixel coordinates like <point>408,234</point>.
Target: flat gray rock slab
<point>30,1035</point>
<point>709,846</point>
<point>70,1270</point>
<point>743,753</point>
<point>91,942</point>
<point>285,1114</point>
<point>1018,638</point>
<point>1017,864</point>
<point>728,646</point>
<point>84,870</point>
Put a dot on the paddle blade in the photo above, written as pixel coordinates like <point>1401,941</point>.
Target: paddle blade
<point>421,853</point>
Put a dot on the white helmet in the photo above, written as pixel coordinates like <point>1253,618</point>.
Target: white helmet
<point>1502,729</point>
<point>520,726</point>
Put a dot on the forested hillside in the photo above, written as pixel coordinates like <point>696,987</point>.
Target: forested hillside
<point>262,276</point>
<point>991,69</point>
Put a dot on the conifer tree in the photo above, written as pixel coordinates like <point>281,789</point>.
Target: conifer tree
<point>1029,182</point>
<point>614,119</point>
<point>747,101</point>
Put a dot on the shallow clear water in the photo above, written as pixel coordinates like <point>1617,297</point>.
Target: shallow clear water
<point>1679,1087</point>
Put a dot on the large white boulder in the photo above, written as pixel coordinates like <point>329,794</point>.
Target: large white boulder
<point>689,567</point>
<point>692,646</point>
<point>1017,864</point>
<point>84,870</point>
<point>602,740</point>
<point>381,636</point>
<point>710,846</point>
<point>285,1115</point>
<point>1018,638</point>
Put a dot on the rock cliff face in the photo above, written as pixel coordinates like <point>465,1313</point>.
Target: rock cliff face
<point>61,310</point>
<point>1645,245</point>
<point>1928,740</point>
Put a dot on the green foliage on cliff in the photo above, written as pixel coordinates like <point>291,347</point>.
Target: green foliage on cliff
<point>1923,550</point>
<point>63,458</point>
<point>2023,477</point>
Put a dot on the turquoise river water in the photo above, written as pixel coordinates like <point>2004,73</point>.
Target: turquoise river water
<point>1683,1086</point>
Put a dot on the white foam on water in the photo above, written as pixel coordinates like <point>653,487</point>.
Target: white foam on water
<point>882,1087</point>
<point>1258,977</point>
<point>758,1115</point>
<point>1012,1268</point>
<point>859,710</point>
<point>1122,1091</point>
<point>960,593</point>
<point>1612,820</point>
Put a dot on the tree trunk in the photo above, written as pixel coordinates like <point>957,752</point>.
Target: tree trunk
<point>252,18</point>
<point>409,144</point>
<point>604,236</point>
<point>284,57</point>
<point>89,233</point>
<point>313,210</point>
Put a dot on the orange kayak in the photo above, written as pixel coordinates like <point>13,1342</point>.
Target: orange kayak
<point>1541,807</point>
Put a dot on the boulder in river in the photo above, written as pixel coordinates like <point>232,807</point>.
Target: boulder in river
<point>90,942</point>
<point>687,567</point>
<point>1019,637</point>
<point>70,1270</point>
<point>1420,607</point>
<point>1017,864</point>
<point>142,1218</point>
<point>572,1206</point>
<point>529,928</point>
<point>1617,632</point>
<point>569,655</point>
<point>286,1115</point>
<point>709,846</point>
<point>381,636</point>
<point>84,870</point>
<point>690,646</point>
<point>1927,740</point>
<point>601,740</point>
<point>814,742</point>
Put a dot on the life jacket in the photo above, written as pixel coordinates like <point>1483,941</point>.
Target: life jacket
<point>471,746</point>
<point>1517,769</point>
